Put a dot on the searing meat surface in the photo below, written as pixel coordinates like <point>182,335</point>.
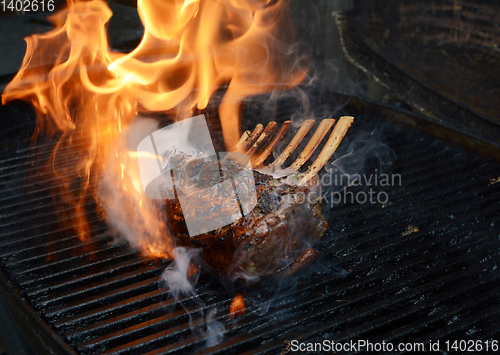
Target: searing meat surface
<point>274,238</point>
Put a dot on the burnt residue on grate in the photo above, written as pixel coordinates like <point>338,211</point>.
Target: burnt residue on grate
<point>422,266</point>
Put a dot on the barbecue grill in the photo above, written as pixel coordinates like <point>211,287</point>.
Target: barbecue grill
<point>421,267</point>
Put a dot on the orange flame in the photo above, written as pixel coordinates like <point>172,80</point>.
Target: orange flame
<point>87,92</point>
<point>237,307</point>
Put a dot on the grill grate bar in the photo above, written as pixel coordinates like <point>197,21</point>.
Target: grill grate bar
<point>106,298</point>
<point>361,230</point>
<point>146,328</point>
<point>358,317</point>
<point>65,261</point>
<point>393,250</point>
<point>40,153</point>
<point>367,281</point>
<point>95,294</point>
<point>46,196</point>
<point>456,330</point>
<point>122,321</point>
<point>446,187</point>
<point>366,261</point>
<point>391,319</point>
<point>98,308</point>
<point>48,144</point>
<point>55,250</point>
<point>21,245</point>
<point>145,313</point>
<point>369,293</point>
<point>413,329</point>
<point>46,192</point>
<point>126,260</point>
<point>429,242</point>
<point>28,230</point>
<point>307,287</point>
<point>46,215</point>
<point>415,305</point>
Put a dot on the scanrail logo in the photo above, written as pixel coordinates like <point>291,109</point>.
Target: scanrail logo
<point>214,189</point>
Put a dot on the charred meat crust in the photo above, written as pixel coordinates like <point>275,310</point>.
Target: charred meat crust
<point>282,226</point>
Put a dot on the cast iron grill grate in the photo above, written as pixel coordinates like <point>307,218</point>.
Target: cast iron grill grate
<point>374,281</point>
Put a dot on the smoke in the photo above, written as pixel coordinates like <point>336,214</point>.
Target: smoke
<point>129,213</point>
<point>359,173</point>
<point>181,276</point>
<point>215,329</point>
<point>179,281</point>
<point>352,156</point>
<point>328,71</point>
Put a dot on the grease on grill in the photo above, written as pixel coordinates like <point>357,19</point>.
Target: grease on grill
<point>494,181</point>
<point>411,229</point>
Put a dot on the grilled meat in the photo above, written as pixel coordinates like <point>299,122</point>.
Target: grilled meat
<point>274,238</point>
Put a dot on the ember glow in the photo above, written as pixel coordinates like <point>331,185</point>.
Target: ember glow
<point>82,90</point>
<point>237,306</point>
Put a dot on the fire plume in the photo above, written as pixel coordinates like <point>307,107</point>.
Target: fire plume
<point>83,90</point>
